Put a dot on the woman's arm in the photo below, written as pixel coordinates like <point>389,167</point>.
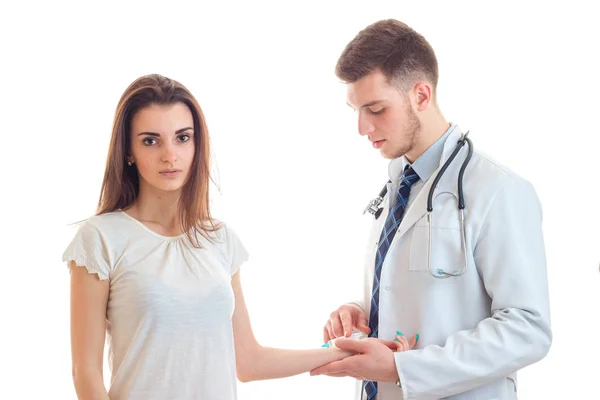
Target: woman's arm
<point>255,362</point>
<point>89,296</point>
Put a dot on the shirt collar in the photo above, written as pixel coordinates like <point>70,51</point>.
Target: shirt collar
<point>425,164</point>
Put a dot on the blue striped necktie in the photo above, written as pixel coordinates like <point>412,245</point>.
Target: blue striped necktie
<point>390,227</point>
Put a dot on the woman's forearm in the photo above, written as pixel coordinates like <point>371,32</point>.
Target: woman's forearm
<point>270,363</point>
<point>89,385</point>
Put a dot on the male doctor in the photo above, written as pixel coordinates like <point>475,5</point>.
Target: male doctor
<point>477,326</point>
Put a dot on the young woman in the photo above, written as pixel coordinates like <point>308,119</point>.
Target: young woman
<point>156,273</point>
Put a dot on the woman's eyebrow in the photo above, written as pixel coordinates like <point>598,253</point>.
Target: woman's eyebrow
<point>158,134</point>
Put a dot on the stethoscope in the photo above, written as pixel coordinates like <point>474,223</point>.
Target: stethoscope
<point>375,208</point>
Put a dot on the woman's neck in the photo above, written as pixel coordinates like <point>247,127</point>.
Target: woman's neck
<point>157,207</point>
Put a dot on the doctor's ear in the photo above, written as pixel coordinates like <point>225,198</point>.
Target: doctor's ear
<point>423,96</point>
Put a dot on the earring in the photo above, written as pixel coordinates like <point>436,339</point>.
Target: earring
<point>130,163</point>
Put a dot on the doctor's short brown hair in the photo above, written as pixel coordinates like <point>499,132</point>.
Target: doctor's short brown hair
<point>402,55</point>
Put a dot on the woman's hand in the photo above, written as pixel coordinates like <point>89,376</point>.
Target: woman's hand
<point>403,344</point>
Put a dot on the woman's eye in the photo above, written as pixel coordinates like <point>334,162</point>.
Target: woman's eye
<point>149,141</point>
<point>184,138</point>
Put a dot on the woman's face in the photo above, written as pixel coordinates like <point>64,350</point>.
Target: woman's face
<point>162,146</point>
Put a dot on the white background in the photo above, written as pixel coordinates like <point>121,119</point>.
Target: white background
<point>293,173</point>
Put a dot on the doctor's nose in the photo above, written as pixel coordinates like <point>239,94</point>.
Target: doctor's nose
<point>365,127</point>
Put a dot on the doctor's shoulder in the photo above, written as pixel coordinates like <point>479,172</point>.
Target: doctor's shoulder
<point>491,176</point>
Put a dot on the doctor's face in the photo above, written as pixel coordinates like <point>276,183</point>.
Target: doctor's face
<point>385,115</point>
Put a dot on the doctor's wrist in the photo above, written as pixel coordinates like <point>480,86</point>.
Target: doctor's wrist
<point>396,378</point>
<point>391,374</point>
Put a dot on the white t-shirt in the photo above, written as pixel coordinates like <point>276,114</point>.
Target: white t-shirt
<point>169,311</point>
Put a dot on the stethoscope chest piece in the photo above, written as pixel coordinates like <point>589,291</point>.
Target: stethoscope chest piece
<point>374,207</point>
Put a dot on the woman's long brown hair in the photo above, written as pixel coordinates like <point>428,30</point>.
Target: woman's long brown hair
<point>120,186</point>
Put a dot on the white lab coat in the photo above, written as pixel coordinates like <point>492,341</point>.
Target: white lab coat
<point>478,329</point>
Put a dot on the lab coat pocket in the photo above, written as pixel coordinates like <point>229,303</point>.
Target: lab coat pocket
<point>445,244</point>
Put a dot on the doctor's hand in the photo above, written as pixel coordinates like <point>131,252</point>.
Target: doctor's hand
<point>374,361</point>
<point>342,320</point>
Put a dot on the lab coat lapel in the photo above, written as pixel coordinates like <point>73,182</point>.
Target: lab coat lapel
<point>418,208</point>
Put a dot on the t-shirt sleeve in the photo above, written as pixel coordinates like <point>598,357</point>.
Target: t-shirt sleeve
<point>236,252</point>
<point>89,249</point>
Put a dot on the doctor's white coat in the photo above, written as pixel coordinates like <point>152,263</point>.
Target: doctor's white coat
<point>478,329</point>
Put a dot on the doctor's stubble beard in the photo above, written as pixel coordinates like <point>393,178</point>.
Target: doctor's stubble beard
<point>413,131</point>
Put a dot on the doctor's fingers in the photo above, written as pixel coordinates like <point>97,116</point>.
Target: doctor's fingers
<point>360,320</point>
<point>343,375</point>
<point>347,323</point>
<point>329,333</point>
<point>340,375</point>
<point>389,343</point>
<point>352,317</point>
<point>337,368</point>
<point>326,333</point>
<point>334,326</point>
